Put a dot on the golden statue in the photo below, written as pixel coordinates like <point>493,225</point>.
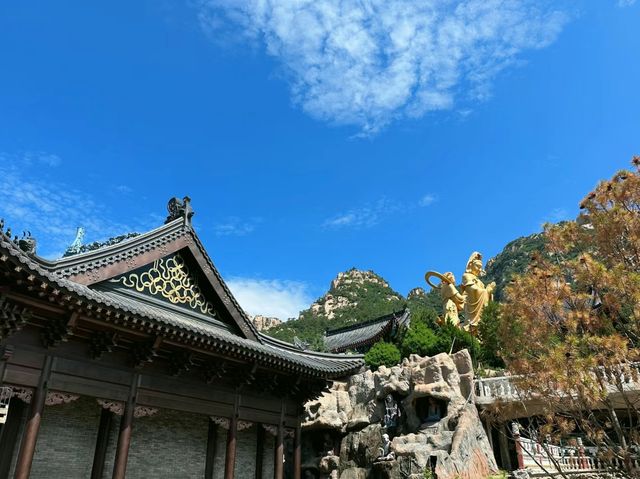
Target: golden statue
<point>472,297</point>
<point>478,295</point>
<point>452,300</point>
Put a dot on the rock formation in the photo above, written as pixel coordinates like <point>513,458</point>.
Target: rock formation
<point>264,323</point>
<point>417,293</point>
<point>436,426</point>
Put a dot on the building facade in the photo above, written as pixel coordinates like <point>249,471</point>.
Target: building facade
<point>135,360</point>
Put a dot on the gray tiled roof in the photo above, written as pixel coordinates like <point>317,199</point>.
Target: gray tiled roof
<point>268,352</point>
<point>363,333</point>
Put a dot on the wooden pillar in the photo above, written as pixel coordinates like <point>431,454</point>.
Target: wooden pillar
<point>102,441</point>
<point>259,450</point>
<point>297,450</point>
<point>488,427</point>
<point>10,436</point>
<point>232,438</point>
<point>504,448</point>
<point>126,427</point>
<point>515,429</point>
<point>30,436</point>
<point>278,462</point>
<point>212,443</point>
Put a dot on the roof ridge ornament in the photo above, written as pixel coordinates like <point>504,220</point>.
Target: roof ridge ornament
<point>76,246</point>
<point>180,208</point>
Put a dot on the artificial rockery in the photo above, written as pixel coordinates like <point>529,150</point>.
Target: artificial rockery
<point>414,420</point>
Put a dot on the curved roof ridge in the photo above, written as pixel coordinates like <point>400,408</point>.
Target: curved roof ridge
<point>351,327</point>
<point>61,264</point>
<point>307,352</point>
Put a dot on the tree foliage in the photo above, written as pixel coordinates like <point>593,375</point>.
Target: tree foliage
<point>419,339</point>
<point>382,353</point>
<point>490,344</point>
<point>570,325</point>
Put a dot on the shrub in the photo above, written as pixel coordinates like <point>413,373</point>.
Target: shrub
<point>382,354</point>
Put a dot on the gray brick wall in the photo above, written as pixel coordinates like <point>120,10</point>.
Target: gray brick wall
<point>168,445</point>
<point>246,453</point>
<point>67,440</point>
<point>268,456</point>
<point>221,452</point>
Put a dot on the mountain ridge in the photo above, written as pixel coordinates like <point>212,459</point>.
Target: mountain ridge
<point>355,295</point>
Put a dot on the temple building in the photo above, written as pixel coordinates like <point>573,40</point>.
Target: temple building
<point>135,360</point>
<point>360,337</point>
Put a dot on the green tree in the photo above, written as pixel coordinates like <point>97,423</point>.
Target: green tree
<point>426,315</point>
<point>488,335</point>
<point>382,353</point>
<point>419,339</point>
<point>570,325</point>
<point>451,338</point>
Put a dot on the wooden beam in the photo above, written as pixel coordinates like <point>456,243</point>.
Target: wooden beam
<point>102,442</point>
<point>34,418</point>
<point>5,354</point>
<point>232,436</point>
<point>278,461</point>
<point>212,443</point>
<point>259,450</point>
<point>126,426</point>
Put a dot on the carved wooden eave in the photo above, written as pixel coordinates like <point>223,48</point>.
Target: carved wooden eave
<point>43,294</point>
<point>174,237</point>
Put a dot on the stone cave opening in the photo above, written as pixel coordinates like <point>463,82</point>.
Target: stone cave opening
<point>430,410</point>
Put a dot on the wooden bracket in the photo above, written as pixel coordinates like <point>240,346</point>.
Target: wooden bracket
<point>215,370</point>
<point>58,330</point>
<point>102,342</point>
<point>181,361</point>
<point>12,317</point>
<point>145,352</point>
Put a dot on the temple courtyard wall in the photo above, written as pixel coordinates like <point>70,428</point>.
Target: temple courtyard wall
<point>165,443</point>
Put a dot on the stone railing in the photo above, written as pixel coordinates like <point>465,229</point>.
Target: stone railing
<point>537,457</point>
<point>625,378</point>
<point>490,389</point>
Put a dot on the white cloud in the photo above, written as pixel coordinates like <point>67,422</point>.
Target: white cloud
<point>234,226</point>
<point>369,62</point>
<point>50,210</point>
<point>427,200</point>
<point>626,3</point>
<point>124,189</point>
<point>42,158</point>
<point>363,217</point>
<point>282,299</point>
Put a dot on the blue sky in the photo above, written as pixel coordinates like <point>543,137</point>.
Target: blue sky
<point>315,136</point>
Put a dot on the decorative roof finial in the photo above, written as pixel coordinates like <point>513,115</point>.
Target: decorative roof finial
<point>76,246</point>
<point>27,243</point>
<point>180,208</point>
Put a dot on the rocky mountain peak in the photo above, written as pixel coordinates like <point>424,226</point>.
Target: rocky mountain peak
<point>356,277</point>
<point>417,293</point>
<point>347,293</point>
<point>264,323</point>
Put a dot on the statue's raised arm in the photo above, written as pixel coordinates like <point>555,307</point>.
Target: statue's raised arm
<point>452,300</point>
